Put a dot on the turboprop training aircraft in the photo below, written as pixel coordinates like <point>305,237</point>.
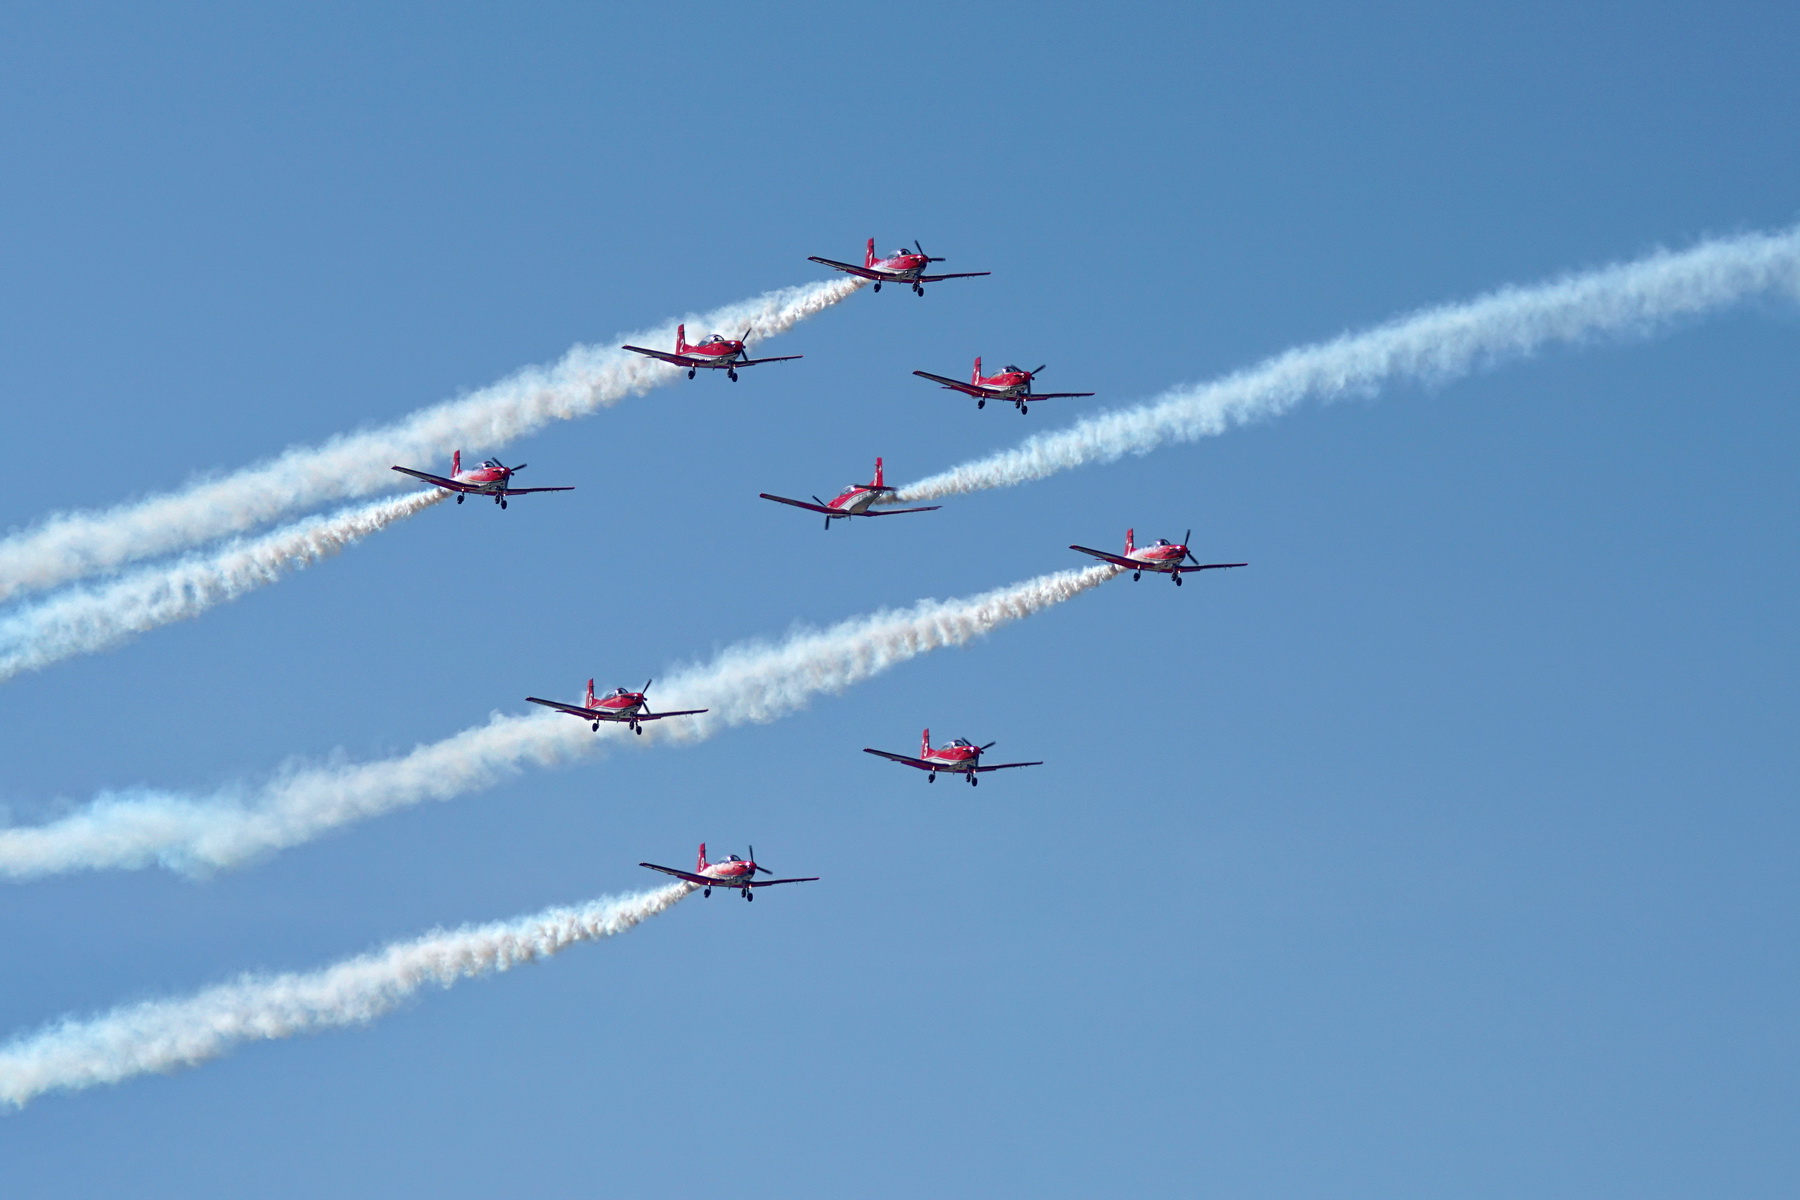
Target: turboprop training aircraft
<point>853,501</point>
<point>1012,383</point>
<point>902,266</point>
<point>713,352</point>
<point>1161,556</point>
<point>491,478</point>
<point>959,756</point>
<point>619,706</point>
<point>734,872</point>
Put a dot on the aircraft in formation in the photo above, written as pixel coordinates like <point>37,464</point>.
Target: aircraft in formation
<point>734,872</point>
<point>1160,557</point>
<point>621,706</point>
<point>853,501</point>
<point>1012,383</point>
<point>491,478</point>
<point>714,352</point>
<point>959,756</point>
<point>902,266</point>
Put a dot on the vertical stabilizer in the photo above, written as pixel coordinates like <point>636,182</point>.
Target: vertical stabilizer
<point>701,864</point>
<point>975,376</point>
<point>681,345</point>
<point>1130,544</point>
<point>591,698</point>
<point>869,258</point>
<point>878,481</point>
<point>925,743</point>
<point>455,463</point>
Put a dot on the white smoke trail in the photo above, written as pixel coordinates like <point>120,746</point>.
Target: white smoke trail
<point>756,682</point>
<point>71,545</point>
<point>91,619</point>
<point>1431,346</point>
<point>163,1035</point>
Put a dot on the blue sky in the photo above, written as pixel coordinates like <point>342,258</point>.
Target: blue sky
<point>1447,849</point>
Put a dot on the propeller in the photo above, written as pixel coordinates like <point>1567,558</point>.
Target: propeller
<point>755,866</point>
<point>744,336</point>
<point>1189,553</point>
<point>989,746</point>
<point>922,253</point>
<point>646,686</point>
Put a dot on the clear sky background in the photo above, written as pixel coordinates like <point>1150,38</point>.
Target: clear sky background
<point>1447,850</point>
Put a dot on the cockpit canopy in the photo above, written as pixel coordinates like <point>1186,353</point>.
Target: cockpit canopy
<point>962,743</point>
<point>1162,542</point>
<point>733,858</point>
<point>618,692</point>
<point>712,339</point>
<point>854,487</point>
<point>489,464</point>
<point>1013,369</point>
<point>902,252</point>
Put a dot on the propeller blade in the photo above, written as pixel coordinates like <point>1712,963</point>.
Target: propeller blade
<point>1187,537</point>
<point>990,745</point>
<point>745,336</point>
<point>1192,559</point>
<point>514,470</point>
<point>752,860</point>
<point>1039,368</point>
<point>646,686</point>
<point>922,253</point>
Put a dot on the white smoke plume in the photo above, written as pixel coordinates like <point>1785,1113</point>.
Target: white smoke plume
<point>164,1035</point>
<point>72,545</point>
<point>86,620</point>
<point>1430,346</point>
<point>755,682</point>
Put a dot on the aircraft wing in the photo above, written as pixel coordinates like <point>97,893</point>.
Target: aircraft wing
<point>1034,397</point>
<point>679,360</point>
<point>894,512</point>
<point>757,362</point>
<point>1003,766</point>
<point>863,271</point>
<point>773,882</point>
<point>702,880</point>
<point>911,762</point>
<point>957,385</point>
<point>526,491</point>
<point>686,712</point>
<point>954,275</point>
<point>428,477</point>
<point>1117,560</point>
<point>818,508</point>
<point>1210,566</point>
<point>574,710</point>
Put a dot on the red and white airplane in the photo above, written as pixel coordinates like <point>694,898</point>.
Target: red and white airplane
<point>1161,556</point>
<point>619,706</point>
<point>713,353</point>
<point>1012,383</point>
<point>734,872</point>
<point>902,266</point>
<point>959,756</point>
<point>853,501</point>
<point>491,478</point>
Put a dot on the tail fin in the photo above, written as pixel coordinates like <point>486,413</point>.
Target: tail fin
<point>878,482</point>
<point>1130,545</point>
<point>925,743</point>
<point>869,259</point>
<point>455,463</point>
<point>681,339</point>
<point>976,376</point>
<point>591,698</point>
<point>702,864</point>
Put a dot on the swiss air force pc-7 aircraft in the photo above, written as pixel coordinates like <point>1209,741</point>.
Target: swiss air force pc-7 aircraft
<point>902,266</point>
<point>1012,384</point>
<point>959,756</point>
<point>491,478</point>
<point>853,501</point>
<point>1161,556</point>
<point>713,352</point>
<point>619,706</point>
<point>734,872</point>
